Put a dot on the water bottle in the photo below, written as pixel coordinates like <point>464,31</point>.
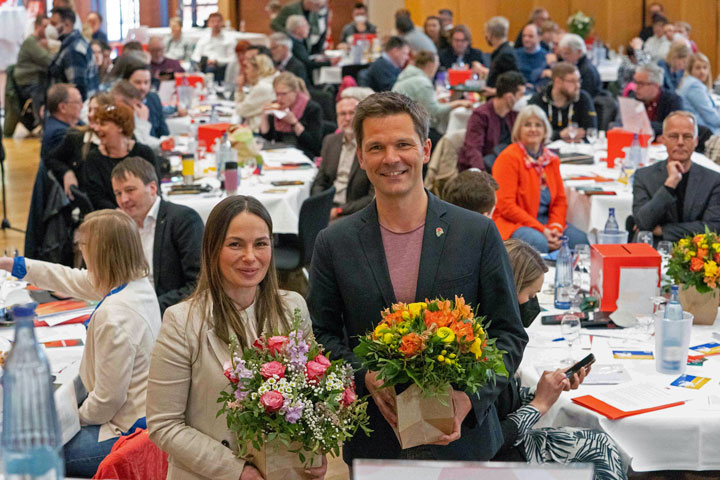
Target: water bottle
<point>31,437</point>
<point>563,276</point>
<point>635,153</point>
<point>214,115</point>
<point>671,357</point>
<point>611,226</point>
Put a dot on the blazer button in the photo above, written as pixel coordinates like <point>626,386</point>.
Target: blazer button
<point>225,443</point>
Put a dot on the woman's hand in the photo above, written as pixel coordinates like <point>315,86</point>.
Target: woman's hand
<point>549,388</point>
<point>553,239</point>
<point>272,106</point>
<point>6,263</point>
<point>318,473</point>
<point>577,379</point>
<point>250,473</point>
<point>290,118</point>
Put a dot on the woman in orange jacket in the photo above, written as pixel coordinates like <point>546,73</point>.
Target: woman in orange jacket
<point>531,203</point>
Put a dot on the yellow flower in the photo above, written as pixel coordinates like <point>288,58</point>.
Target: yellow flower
<point>440,358</point>
<point>388,338</point>
<point>711,269</point>
<point>684,242</point>
<point>415,308</point>
<point>445,334</point>
<point>406,316</point>
<point>380,329</point>
<point>716,247</point>
<point>476,348</point>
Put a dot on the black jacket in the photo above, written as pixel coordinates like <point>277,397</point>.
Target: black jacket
<point>300,52</point>
<point>310,139</point>
<point>668,102</point>
<point>297,68</point>
<point>502,60</point>
<point>448,57</point>
<point>582,112</point>
<point>589,77</point>
<point>176,253</point>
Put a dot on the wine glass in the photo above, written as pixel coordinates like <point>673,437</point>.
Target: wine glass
<point>644,236</point>
<point>572,131</point>
<point>591,135</point>
<point>664,248</point>
<point>570,328</point>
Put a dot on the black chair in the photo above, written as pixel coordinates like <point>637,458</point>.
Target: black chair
<point>326,100</point>
<point>607,110</point>
<point>297,251</point>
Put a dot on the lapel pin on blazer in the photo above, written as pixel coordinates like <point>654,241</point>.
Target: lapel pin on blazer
<point>439,232</point>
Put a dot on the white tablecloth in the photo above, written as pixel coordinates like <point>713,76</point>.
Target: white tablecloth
<point>194,34</point>
<point>678,438</point>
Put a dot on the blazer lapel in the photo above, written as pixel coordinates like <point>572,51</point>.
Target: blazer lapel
<point>371,242</point>
<point>436,230</point>
<point>157,241</point>
<point>219,348</point>
<point>695,181</point>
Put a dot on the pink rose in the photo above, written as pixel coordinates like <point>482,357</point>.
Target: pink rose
<point>229,373</point>
<point>272,401</point>
<point>348,397</point>
<point>277,343</point>
<point>315,370</point>
<point>322,360</point>
<point>272,368</point>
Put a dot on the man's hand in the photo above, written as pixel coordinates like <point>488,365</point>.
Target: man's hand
<point>69,179</point>
<point>480,69</point>
<point>675,172</point>
<point>549,388</point>
<point>579,134</point>
<point>462,405</point>
<point>383,398</point>
<point>141,110</point>
<point>657,231</point>
<point>318,473</point>
<point>250,473</point>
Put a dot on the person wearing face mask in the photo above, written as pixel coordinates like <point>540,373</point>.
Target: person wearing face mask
<point>360,23</point>
<point>519,408</point>
<point>489,127</point>
<point>141,78</point>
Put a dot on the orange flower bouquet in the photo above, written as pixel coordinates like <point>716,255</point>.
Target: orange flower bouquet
<point>422,350</point>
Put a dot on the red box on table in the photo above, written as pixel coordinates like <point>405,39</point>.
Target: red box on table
<point>606,262</point>
<point>192,79</point>
<point>208,134</point>
<point>459,77</point>
<point>618,139</point>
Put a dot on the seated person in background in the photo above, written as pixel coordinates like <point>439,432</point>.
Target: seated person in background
<point>101,52</point>
<point>234,69</point>
<point>489,127</point>
<point>214,50</point>
<point>676,198</point>
<point>653,10</point>
<point>433,29</point>
<point>415,38</point>
<point>162,67</point>
<point>549,33</point>
<point>258,75</point>
<point>31,66</point>
<point>281,50</point>
<point>683,29</point>
<point>566,103</point>
<point>63,106</point>
<point>572,49</point>
<point>383,72</point>
<point>502,58</point>
<point>531,202</point>
<point>135,49</point>
<point>695,89</point>
<point>301,124</point>
<point>317,14</point>
<point>472,189</point>
<point>360,24</point>
<point>519,409</point>
<point>178,47</point>
<point>141,78</point>
<point>298,28</point>
<point>125,92</point>
<point>121,332</point>
<point>171,234</point>
<point>446,19</point>
<point>658,45</point>
<point>538,17</point>
<point>340,167</point>
<point>634,57</point>
<point>461,52</point>
<point>416,82</point>
<point>115,126</point>
<point>659,102</point>
<point>531,56</point>
<point>94,21</point>
<point>674,64</point>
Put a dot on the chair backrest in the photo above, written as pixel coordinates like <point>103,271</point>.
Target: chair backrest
<point>326,100</point>
<point>607,109</point>
<point>443,162</point>
<point>314,216</point>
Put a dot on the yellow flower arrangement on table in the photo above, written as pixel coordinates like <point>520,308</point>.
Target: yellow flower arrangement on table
<point>694,262</point>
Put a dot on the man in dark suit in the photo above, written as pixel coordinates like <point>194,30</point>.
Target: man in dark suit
<point>140,77</point>
<point>64,104</point>
<point>298,29</point>
<point>171,234</point>
<point>281,49</point>
<point>502,59</point>
<point>383,72</point>
<point>677,198</point>
<point>339,167</point>
<point>317,15</point>
<point>572,49</point>
<point>406,246</point>
<point>659,102</point>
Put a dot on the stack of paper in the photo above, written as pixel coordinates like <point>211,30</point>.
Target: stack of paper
<point>630,400</point>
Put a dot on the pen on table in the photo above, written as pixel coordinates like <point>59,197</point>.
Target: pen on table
<point>559,339</point>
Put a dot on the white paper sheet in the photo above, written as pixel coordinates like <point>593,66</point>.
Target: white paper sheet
<point>67,410</point>
<point>637,286</point>
<point>58,318</point>
<point>639,397</point>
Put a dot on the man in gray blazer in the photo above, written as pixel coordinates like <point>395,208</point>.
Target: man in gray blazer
<point>340,167</point>
<point>407,246</point>
<point>677,198</point>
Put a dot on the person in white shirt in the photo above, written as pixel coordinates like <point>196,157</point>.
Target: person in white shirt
<point>171,234</point>
<point>658,45</point>
<point>178,47</point>
<point>214,51</point>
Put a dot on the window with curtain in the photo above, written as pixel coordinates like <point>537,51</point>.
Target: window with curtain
<point>195,12</point>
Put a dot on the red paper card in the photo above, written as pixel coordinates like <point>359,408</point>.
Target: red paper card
<point>588,401</point>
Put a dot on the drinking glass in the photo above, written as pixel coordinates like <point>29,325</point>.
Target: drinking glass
<point>592,135</point>
<point>572,131</point>
<point>581,267</point>
<point>570,328</point>
<point>644,236</point>
<point>664,248</point>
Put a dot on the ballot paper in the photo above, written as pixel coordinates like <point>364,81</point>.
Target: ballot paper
<point>642,396</point>
<point>637,286</point>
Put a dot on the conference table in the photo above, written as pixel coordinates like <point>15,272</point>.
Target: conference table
<point>684,437</point>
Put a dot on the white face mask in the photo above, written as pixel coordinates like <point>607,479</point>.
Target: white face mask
<point>360,19</point>
<point>51,32</point>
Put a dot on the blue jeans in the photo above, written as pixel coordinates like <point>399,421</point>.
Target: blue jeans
<point>83,453</point>
<point>538,241</point>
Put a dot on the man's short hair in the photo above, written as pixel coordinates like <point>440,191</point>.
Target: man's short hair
<point>215,14</point>
<point>293,22</point>
<point>359,5</point>
<point>497,27</point>
<point>681,113</point>
<point>129,72</point>
<point>136,166</point>
<point>404,24</point>
<point>509,82</point>
<point>562,69</point>
<point>395,42</point>
<point>66,14</point>
<point>424,57</point>
<point>659,19</point>
<point>536,13</point>
<point>384,104</point>
<point>472,189</point>
<point>57,94</point>
<point>126,89</point>
<point>132,46</point>
<point>177,20</point>
<point>39,20</point>
<point>464,30</point>
<point>573,42</point>
<point>548,26</point>
<point>445,11</point>
<point>654,72</point>
<point>281,38</point>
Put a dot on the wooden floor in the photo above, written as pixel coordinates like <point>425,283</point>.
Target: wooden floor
<point>21,162</point>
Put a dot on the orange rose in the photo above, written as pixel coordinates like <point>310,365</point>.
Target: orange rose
<point>702,252</point>
<point>411,344</point>
<point>441,318</point>
<point>464,329</point>
<point>716,257</point>
<point>696,264</point>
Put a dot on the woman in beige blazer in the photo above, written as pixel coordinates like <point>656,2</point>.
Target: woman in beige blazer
<point>237,294</point>
<point>120,336</point>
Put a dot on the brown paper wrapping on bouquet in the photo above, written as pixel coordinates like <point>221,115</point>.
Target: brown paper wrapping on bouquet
<point>703,306</point>
<point>276,462</point>
<point>422,420</point>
